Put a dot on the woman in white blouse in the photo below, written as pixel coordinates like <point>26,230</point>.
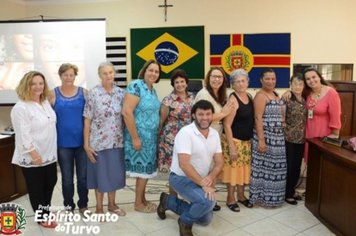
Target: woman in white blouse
<point>34,123</point>
<point>215,92</point>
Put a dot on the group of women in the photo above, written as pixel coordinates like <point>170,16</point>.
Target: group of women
<point>86,131</point>
<point>311,109</point>
<point>106,133</point>
<point>263,137</point>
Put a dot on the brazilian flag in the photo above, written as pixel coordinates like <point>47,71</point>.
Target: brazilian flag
<point>172,47</point>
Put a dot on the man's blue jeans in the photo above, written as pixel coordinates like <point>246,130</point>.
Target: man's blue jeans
<point>67,157</point>
<point>199,209</point>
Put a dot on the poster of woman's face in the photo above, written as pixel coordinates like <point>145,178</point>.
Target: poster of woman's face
<point>16,59</point>
<point>44,46</point>
<point>20,52</point>
<point>24,46</point>
<point>53,50</point>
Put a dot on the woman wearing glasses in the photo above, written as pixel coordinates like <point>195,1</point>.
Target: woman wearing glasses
<point>215,92</point>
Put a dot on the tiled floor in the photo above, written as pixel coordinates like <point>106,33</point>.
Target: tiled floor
<point>286,220</point>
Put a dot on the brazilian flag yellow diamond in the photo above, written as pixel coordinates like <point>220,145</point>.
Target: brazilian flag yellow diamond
<point>169,51</point>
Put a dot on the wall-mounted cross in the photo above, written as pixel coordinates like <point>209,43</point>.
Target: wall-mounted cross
<point>165,5</point>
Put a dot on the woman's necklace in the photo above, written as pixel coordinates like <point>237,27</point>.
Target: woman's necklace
<point>318,94</point>
<point>313,101</point>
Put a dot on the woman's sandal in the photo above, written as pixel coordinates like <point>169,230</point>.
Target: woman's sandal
<point>117,211</point>
<point>101,216</point>
<point>217,207</point>
<point>51,225</point>
<point>151,204</point>
<point>246,203</point>
<point>291,201</point>
<point>149,208</point>
<point>234,207</point>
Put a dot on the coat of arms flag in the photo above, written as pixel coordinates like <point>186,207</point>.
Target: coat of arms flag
<point>254,53</point>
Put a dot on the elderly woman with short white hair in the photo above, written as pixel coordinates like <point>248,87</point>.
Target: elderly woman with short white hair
<point>238,131</point>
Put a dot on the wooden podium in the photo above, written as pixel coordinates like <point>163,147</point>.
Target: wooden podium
<point>331,186</point>
<point>12,182</point>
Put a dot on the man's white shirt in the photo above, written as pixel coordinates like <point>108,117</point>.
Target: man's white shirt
<point>190,141</point>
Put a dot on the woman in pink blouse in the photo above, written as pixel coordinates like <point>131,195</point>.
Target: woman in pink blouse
<point>323,107</point>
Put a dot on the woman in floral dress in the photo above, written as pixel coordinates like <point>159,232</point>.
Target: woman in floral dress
<point>238,126</point>
<point>103,139</point>
<point>174,114</point>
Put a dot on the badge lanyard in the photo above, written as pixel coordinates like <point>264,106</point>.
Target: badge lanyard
<point>311,106</point>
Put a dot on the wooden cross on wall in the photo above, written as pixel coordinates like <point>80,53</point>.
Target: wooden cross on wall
<point>165,5</point>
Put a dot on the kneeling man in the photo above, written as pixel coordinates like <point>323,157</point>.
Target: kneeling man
<point>197,161</point>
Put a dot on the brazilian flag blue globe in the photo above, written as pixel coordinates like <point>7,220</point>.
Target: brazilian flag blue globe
<point>166,53</point>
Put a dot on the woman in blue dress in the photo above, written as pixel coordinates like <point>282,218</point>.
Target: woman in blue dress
<point>269,165</point>
<point>141,114</point>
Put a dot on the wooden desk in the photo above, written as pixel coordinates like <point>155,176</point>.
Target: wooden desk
<point>331,186</point>
<point>12,182</point>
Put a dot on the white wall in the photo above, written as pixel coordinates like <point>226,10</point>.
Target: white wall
<point>322,31</point>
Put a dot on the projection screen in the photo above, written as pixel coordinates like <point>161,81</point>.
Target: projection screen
<point>44,46</point>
